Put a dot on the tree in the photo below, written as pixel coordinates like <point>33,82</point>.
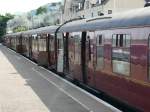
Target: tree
<point>3,23</point>
<point>9,16</point>
<point>41,10</point>
<point>20,28</point>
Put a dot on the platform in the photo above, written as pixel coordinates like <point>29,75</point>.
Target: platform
<point>26,87</point>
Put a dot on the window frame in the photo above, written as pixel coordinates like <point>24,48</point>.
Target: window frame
<point>118,42</point>
<point>129,47</point>
<point>51,43</point>
<point>42,42</point>
<point>100,45</point>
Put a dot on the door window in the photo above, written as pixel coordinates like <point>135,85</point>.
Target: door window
<point>52,43</point>
<point>90,49</point>
<point>60,52</point>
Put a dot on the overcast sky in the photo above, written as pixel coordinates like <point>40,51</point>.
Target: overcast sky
<point>17,6</point>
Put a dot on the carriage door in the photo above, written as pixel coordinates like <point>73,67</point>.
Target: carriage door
<point>75,56</point>
<point>139,60</point>
<point>66,56</point>
<point>90,58</point>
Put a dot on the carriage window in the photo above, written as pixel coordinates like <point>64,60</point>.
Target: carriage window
<point>99,40</point>
<point>77,40</point>
<point>121,40</point>
<point>128,40</point>
<point>42,43</point>
<point>51,43</point>
<point>121,54</point>
<point>99,52</point>
<point>60,41</point>
<point>114,41</point>
<point>34,43</point>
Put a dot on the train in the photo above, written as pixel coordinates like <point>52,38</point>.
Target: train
<point>109,53</point>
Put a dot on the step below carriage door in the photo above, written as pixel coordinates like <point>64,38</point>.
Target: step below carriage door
<point>90,58</point>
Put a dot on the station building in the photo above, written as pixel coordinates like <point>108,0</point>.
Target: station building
<point>94,8</point>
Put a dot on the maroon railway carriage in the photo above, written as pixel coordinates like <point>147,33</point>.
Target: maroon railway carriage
<point>47,40</point>
<point>111,54</point>
<point>39,45</point>
<point>7,40</point>
<point>14,41</point>
<point>27,43</point>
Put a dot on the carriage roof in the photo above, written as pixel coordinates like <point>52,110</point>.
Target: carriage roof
<point>13,34</point>
<point>133,18</point>
<point>48,29</point>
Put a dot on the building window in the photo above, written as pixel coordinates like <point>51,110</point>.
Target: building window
<point>95,3</point>
<point>80,6</point>
<point>87,4</point>
<point>109,11</point>
<point>100,13</point>
<point>92,15</point>
<point>121,53</point>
